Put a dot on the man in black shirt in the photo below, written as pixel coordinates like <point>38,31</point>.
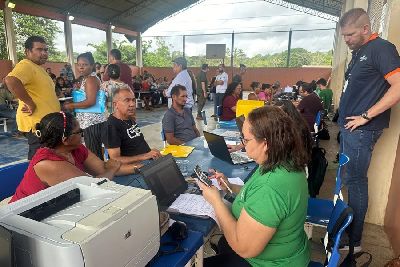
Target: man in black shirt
<point>238,78</point>
<point>122,136</point>
<point>371,88</point>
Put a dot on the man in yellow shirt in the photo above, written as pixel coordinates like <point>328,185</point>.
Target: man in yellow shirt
<point>33,87</point>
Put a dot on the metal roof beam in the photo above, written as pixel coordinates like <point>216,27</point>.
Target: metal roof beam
<point>303,8</point>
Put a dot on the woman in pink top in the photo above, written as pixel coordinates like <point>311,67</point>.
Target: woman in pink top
<point>62,156</point>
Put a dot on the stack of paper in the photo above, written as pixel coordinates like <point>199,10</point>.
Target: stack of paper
<point>194,205</point>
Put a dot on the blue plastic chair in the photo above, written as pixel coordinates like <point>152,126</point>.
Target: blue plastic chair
<point>163,138</point>
<point>219,112</point>
<point>339,220</point>
<point>10,177</point>
<point>318,120</point>
<point>319,210</point>
<point>106,157</point>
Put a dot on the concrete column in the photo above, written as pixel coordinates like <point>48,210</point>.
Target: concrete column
<point>109,40</point>
<point>183,45</point>
<point>139,51</point>
<point>68,43</point>
<point>288,49</point>
<point>10,35</point>
<point>384,171</point>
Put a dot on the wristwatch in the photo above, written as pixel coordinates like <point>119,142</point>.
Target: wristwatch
<point>365,116</point>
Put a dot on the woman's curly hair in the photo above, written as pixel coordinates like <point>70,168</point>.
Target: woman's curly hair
<point>50,129</point>
<point>283,137</point>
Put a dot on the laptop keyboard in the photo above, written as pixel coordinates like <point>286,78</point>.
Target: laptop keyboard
<point>239,158</point>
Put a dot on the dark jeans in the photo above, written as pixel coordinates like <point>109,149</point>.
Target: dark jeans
<point>33,142</point>
<point>201,101</point>
<point>218,101</point>
<point>6,112</point>
<point>358,146</point>
<point>225,257</point>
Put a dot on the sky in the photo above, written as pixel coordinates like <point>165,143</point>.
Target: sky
<point>226,16</point>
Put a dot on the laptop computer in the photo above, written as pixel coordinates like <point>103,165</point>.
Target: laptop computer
<point>165,180</point>
<point>219,149</point>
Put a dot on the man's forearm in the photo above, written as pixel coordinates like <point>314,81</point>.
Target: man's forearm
<point>16,87</point>
<point>127,169</point>
<point>174,141</point>
<point>391,98</point>
<point>131,159</point>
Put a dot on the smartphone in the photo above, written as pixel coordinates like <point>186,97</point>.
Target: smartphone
<point>202,176</point>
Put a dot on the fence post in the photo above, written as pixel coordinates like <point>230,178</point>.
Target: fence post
<point>289,46</point>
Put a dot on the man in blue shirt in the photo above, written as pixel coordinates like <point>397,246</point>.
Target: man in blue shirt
<point>371,88</point>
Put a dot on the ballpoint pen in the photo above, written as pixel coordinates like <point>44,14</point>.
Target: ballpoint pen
<point>223,181</point>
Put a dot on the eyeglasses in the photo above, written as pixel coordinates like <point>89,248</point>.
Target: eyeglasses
<point>245,141</point>
<point>64,122</point>
<point>80,131</point>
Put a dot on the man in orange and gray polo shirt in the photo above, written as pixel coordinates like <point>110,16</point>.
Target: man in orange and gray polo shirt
<point>371,88</point>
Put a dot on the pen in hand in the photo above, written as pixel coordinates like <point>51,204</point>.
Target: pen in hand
<point>223,181</point>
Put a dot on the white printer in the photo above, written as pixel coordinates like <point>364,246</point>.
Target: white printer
<point>84,222</point>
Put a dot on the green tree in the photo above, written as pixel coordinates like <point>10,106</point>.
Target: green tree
<point>128,51</point>
<point>25,26</point>
<point>158,56</point>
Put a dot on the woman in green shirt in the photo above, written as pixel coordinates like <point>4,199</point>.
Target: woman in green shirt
<point>265,224</point>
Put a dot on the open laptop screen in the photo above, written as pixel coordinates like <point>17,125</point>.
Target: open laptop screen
<point>164,179</point>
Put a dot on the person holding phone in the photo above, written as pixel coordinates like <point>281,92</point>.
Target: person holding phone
<point>264,226</point>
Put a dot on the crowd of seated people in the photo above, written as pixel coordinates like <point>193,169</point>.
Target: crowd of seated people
<point>257,227</point>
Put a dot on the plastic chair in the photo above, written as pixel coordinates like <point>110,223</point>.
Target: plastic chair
<point>163,138</point>
<point>106,157</point>
<point>3,122</point>
<point>219,112</point>
<point>10,177</point>
<point>339,220</point>
<point>318,120</point>
<point>319,210</point>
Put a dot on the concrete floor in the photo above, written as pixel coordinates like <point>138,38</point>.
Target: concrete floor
<point>374,241</point>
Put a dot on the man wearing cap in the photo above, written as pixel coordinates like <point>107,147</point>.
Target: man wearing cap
<point>183,78</point>
<point>238,78</point>
<point>202,84</point>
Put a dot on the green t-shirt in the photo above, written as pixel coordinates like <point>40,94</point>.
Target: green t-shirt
<point>326,96</point>
<point>279,200</point>
<point>202,77</point>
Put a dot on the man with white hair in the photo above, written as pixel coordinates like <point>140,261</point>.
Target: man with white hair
<point>182,78</point>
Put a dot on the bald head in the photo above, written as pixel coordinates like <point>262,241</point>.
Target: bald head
<point>356,17</point>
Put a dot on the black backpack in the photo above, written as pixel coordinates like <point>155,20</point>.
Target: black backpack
<point>316,170</point>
